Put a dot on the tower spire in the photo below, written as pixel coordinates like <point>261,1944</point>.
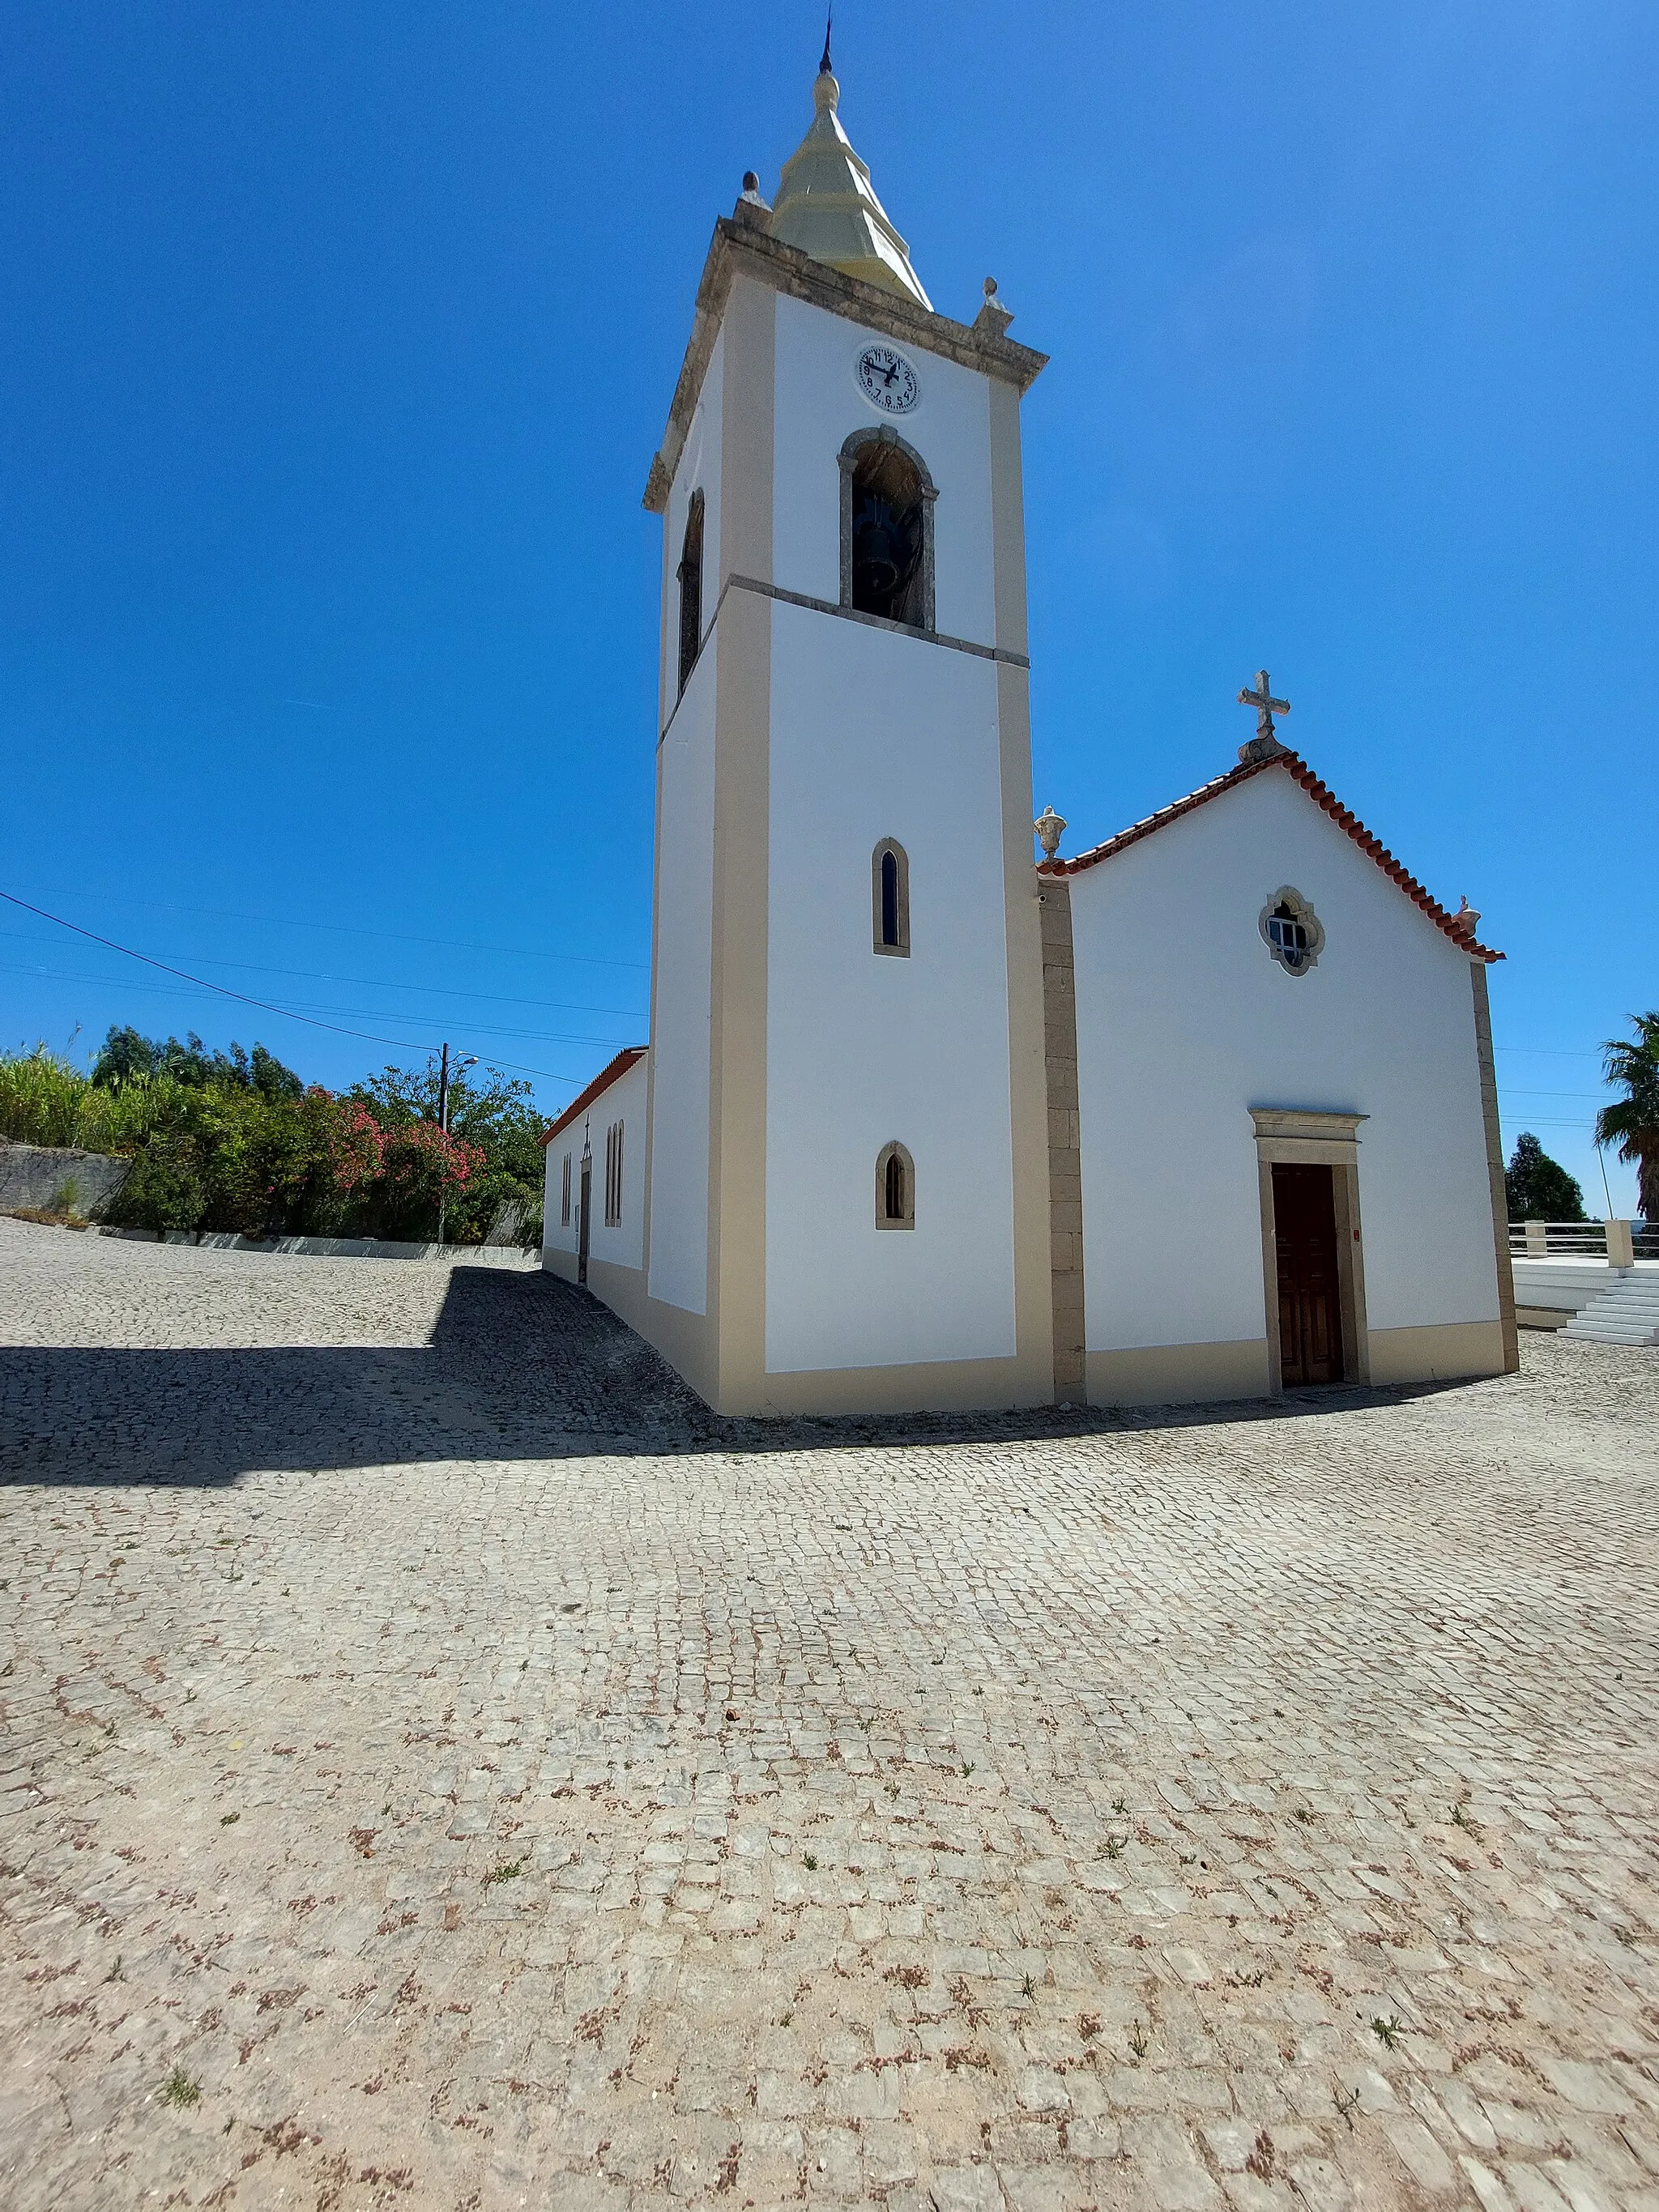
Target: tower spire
<point>824,68</point>
<point>828,207</point>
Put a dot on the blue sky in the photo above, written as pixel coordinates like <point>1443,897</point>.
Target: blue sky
<point>339,339</point>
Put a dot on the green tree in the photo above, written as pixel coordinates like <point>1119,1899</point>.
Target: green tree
<point>126,1053</point>
<point>1539,1188</point>
<point>493,1114</point>
<point>1632,1122</point>
<point>235,1141</point>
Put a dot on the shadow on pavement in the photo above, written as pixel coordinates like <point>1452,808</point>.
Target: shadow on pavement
<point>519,1366</point>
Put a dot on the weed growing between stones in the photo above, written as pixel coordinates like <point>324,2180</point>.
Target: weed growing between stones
<point>181,2089</point>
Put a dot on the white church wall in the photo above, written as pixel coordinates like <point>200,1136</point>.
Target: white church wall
<point>558,1236</point>
<point>818,406</point>
<point>699,470</point>
<point>680,1039</point>
<point>625,1102</point>
<point>875,735</point>
<point>1184,1022</point>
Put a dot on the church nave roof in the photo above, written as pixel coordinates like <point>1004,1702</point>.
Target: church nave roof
<point>1458,928</point>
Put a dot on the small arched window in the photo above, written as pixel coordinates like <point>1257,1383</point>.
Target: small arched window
<point>690,577</point>
<point>896,1189</point>
<point>886,529</point>
<point>889,899</point>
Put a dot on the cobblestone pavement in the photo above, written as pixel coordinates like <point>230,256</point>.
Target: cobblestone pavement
<point>444,1766</point>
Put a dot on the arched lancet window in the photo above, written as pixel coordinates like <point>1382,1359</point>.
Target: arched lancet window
<point>896,1189</point>
<point>690,576</point>
<point>886,529</point>
<point>889,899</point>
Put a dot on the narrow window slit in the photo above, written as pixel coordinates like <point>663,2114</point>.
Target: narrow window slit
<point>889,899</point>
<point>896,1189</point>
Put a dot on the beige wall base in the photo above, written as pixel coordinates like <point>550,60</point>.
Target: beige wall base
<point>684,1340</point>
<point>1179,1374</point>
<point>1541,1316</point>
<point>945,1386</point>
<point>623,1289</point>
<point>1438,1353</point>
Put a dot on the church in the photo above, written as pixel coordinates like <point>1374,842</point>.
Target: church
<point>928,1119</point>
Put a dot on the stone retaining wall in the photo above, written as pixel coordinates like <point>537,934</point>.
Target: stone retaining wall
<point>341,1248</point>
<point>66,1180</point>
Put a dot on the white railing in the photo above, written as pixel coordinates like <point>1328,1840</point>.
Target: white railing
<point>1617,1242</point>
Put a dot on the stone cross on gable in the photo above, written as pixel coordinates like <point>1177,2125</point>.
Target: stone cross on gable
<point>1265,742</point>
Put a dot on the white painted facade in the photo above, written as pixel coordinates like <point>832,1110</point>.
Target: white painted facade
<point>683,942</point>
<point>699,470</point>
<point>877,735</point>
<point>1185,1021</point>
<point>621,1243</point>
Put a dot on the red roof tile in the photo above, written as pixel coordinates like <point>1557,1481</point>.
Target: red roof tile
<point>1323,797</point>
<point>601,1083</point>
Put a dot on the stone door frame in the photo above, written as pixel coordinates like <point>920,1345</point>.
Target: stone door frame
<point>1298,1136</point>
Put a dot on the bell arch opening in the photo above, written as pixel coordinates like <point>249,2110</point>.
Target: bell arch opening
<point>887,530</point>
<point>690,583</point>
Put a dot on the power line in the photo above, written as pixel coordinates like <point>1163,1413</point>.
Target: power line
<point>347,929</point>
<point>265,1006</point>
<point>223,990</point>
<point>298,1013</point>
<point>368,982</point>
<point>1550,1051</point>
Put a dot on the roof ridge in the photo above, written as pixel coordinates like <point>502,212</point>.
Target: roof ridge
<point>612,1071</point>
<point>1324,798</point>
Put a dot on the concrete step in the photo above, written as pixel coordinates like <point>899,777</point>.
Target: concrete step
<point>1627,1314</point>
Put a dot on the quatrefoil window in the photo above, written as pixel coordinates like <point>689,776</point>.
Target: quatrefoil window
<point>1292,930</point>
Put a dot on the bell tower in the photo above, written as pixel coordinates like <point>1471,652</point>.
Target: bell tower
<point>848,1201</point>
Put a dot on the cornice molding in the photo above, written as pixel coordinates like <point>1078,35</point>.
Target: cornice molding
<point>1306,1122</point>
<point>740,249</point>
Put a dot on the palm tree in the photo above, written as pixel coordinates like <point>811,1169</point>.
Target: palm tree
<point>1632,1123</point>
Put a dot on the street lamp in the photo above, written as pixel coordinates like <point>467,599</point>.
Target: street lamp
<point>468,1060</point>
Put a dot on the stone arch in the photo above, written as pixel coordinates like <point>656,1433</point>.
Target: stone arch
<point>887,499</point>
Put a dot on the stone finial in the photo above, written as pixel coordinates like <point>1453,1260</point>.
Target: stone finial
<point>1466,918</point>
<point>750,207</point>
<point>1261,749</point>
<point>993,318</point>
<point>1049,826</point>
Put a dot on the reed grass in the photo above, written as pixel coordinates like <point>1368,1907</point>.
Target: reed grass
<point>44,1101</point>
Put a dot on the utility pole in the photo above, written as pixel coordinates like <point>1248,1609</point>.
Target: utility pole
<point>461,1066</point>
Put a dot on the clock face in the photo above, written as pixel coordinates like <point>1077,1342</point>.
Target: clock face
<point>887,380</point>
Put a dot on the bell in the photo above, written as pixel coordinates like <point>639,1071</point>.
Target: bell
<point>878,552</point>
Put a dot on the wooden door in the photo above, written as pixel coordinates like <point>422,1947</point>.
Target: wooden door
<point>584,1218</point>
<point>1310,1292</point>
